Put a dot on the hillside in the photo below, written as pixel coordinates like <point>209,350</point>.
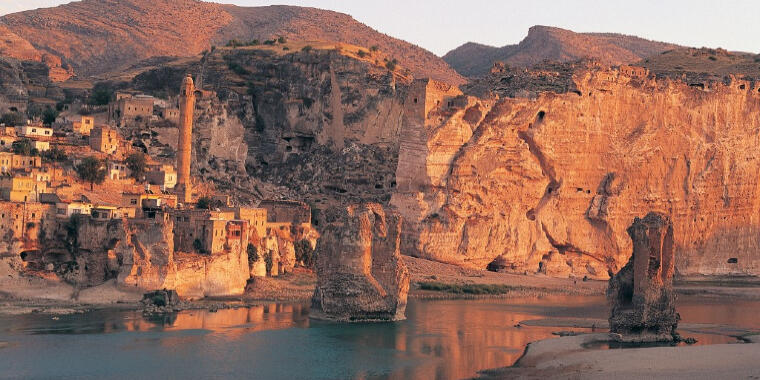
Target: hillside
<point>703,65</point>
<point>549,43</point>
<point>96,36</point>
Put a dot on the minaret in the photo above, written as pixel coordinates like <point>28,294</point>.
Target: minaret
<point>186,108</point>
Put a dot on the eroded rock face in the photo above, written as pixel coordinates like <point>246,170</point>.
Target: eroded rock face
<point>641,295</point>
<point>360,273</point>
<point>140,255</point>
<point>549,185</point>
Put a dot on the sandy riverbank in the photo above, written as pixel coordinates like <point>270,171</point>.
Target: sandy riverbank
<point>569,358</point>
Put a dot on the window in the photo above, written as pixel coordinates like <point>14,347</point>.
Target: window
<point>134,202</point>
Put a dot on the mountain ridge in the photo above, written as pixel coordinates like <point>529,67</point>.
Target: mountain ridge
<point>97,36</point>
<point>555,44</point>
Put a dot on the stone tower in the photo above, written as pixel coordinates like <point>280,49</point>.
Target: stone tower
<point>186,108</point>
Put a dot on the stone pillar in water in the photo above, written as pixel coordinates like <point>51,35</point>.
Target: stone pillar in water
<point>641,295</point>
<point>360,273</point>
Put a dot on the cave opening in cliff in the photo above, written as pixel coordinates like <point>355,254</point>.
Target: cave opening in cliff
<point>540,116</point>
<point>733,260</point>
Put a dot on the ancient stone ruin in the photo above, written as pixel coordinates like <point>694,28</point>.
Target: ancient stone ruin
<point>360,273</point>
<point>641,295</point>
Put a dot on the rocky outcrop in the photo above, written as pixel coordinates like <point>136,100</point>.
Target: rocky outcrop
<point>140,255</point>
<point>549,185</point>
<point>641,296</point>
<point>360,273</point>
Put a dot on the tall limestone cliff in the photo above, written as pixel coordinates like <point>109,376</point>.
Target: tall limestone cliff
<point>550,184</point>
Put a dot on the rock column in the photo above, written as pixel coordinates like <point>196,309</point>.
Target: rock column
<point>641,294</point>
<point>360,273</point>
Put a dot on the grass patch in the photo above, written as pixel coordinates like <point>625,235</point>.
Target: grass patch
<point>465,288</point>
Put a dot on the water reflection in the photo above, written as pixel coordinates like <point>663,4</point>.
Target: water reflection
<point>439,340</point>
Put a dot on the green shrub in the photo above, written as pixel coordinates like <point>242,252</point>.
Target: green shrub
<point>198,246</point>
<point>54,154</point>
<point>24,147</point>
<point>374,48</point>
<point>253,254</point>
<point>101,94</point>
<point>474,289</point>
<point>237,69</point>
<point>92,170</point>
<point>282,40</point>
<point>306,48</point>
<point>361,53</point>
<point>391,65</point>
<point>268,261</point>
<point>304,253</point>
<point>13,119</point>
<point>204,203</point>
<point>136,163</point>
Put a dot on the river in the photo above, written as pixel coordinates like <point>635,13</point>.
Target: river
<point>442,339</point>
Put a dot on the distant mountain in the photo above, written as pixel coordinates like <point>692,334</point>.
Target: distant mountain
<point>97,36</point>
<point>549,43</point>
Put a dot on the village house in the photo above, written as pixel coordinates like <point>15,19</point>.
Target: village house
<point>10,162</point>
<point>18,188</point>
<point>8,131</point>
<point>104,139</point>
<point>163,176</point>
<point>171,114</point>
<point>131,107</point>
<point>210,232</point>
<point>148,205</point>
<point>634,72</point>
<point>112,212</point>
<point>41,146</point>
<point>7,140</point>
<point>33,131</point>
<point>85,126</point>
<point>282,214</point>
<point>117,171</point>
<point>67,209</point>
<point>23,219</point>
<point>256,218</point>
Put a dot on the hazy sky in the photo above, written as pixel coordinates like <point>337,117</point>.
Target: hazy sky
<point>441,25</point>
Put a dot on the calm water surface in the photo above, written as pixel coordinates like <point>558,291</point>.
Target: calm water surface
<point>440,340</point>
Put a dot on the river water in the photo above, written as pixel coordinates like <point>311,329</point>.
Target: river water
<point>443,339</point>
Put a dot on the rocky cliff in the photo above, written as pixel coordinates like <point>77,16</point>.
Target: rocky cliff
<point>320,124</point>
<point>140,256</point>
<point>555,44</point>
<point>549,185</point>
<point>97,36</point>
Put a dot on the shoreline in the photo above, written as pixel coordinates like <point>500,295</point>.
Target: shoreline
<point>449,282</point>
<point>571,357</point>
